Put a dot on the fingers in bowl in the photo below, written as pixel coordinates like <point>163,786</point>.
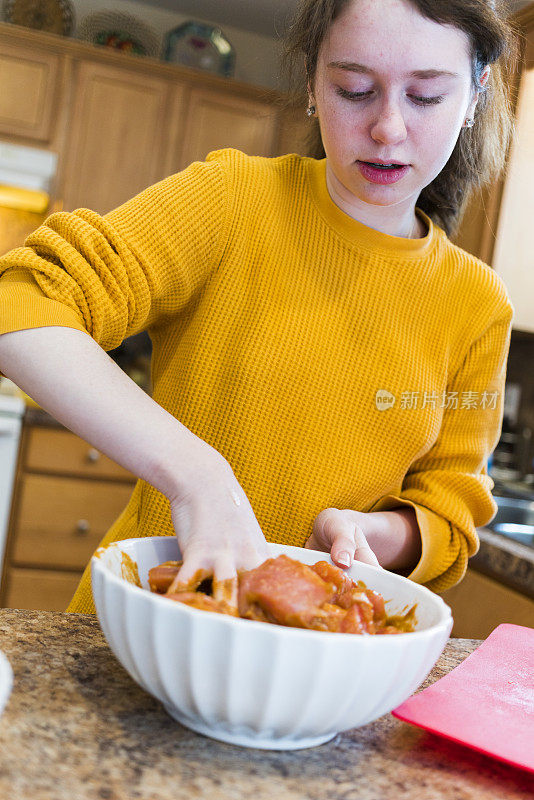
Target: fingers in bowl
<point>284,591</point>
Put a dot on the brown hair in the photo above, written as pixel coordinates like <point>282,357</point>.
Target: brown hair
<point>479,155</point>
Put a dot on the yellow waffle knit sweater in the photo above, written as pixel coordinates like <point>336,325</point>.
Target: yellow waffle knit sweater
<point>331,364</point>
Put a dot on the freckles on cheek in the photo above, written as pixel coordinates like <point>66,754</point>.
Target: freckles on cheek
<point>329,109</point>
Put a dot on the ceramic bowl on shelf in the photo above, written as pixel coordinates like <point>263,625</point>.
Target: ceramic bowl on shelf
<point>120,31</point>
<point>201,46</point>
<point>254,683</point>
<point>6,681</point>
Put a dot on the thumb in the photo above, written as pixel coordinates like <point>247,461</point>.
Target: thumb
<point>348,543</point>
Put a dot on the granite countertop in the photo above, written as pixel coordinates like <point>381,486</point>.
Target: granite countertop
<point>77,726</point>
<point>505,560</point>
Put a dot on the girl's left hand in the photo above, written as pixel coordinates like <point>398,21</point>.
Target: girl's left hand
<point>342,534</point>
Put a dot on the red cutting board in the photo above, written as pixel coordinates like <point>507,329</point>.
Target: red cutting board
<point>487,702</point>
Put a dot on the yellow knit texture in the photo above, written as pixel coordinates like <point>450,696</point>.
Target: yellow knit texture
<point>275,320</point>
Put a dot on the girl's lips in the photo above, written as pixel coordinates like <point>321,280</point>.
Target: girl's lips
<point>382,176</point>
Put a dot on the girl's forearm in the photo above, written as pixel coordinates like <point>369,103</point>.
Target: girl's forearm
<point>71,377</point>
<point>395,538</point>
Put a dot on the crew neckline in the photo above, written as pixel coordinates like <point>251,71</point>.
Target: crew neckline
<point>358,233</point>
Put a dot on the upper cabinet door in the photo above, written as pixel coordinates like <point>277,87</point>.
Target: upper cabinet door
<point>29,92</point>
<point>512,257</point>
<point>115,140</point>
<point>216,119</point>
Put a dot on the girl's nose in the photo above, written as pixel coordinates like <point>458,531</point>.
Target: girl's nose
<point>389,127</point>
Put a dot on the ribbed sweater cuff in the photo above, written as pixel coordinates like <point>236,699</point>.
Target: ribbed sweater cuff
<point>24,305</point>
<point>435,537</point>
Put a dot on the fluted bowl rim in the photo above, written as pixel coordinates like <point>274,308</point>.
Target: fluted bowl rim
<point>365,573</point>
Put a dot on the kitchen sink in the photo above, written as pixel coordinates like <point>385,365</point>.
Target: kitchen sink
<point>514,519</point>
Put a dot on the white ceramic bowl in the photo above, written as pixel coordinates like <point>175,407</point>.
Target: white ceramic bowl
<point>257,684</point>
<point>6,681</point>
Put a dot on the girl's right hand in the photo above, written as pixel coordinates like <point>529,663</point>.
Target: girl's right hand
<point>216,528</point>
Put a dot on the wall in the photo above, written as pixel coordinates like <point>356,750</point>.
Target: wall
<point>256,56</point>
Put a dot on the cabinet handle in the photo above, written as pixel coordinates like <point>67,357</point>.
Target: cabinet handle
<point>93,455</point>
<point>82,526</point>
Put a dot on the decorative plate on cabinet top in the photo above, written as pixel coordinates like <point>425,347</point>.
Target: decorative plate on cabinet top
<point>200,46</point>
<point>121,32</point>
<point>52,16</point>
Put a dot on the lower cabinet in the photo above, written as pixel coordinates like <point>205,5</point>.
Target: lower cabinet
<point>62,520</point>
<point>480,603</point>
<point>44,589</point>
<point>67,495</point>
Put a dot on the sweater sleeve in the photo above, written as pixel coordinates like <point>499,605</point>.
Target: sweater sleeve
<point>449,487</point>
<point>115,275</point>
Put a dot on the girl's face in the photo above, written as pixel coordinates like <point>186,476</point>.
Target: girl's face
<point>394,87</point>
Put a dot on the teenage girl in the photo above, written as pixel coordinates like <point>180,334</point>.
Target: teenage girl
<point>328,367</point>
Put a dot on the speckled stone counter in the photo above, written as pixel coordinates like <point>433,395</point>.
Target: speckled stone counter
<point>76,726</point>
<point>506,560</point>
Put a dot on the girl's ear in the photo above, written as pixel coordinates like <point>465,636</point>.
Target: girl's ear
<point>483,80</point>
<point>485,75</point>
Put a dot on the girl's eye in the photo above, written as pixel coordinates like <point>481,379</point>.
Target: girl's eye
<point>425,101</point>
<point>428,101</point>
<point>351,95</point>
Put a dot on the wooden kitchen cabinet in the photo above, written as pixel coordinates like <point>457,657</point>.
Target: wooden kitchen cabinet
<point>67,495</point>
<point>115,137</point>
<point>62,520</point>
<point>120,123</point>
<point>30,93</point>
<point>216,119</point>
<point>43,589</point>
<point>59,452</point>
<point>480,603</point>
<point>151,129</point>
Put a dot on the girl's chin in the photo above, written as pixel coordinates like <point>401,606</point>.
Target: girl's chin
<point>381,195</point>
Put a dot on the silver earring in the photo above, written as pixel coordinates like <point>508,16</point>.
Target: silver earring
<point>310,111</point>
<point>469,123</point>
